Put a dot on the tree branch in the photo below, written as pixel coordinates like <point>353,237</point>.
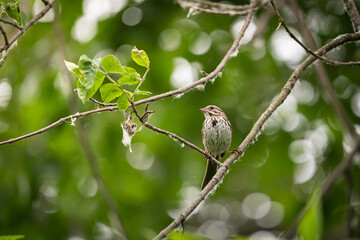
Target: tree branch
<point>36,18</point>
<point>5,37</point>
<point>10,23</point>
<point>308,50</point>
<point>143,120</point>
<point>220,8</point>
<point>256,129</point>
<point>339,109</point>
<point>221,5</point>
<point>353,12</point>
<point>182,90</point>
<point>72,117</point>
<point>322,75</point>
<point>264,19</point>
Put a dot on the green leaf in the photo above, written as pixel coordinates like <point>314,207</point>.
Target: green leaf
<point>88,68</point>
<point>140,57</point>
<point>13,237</point>
<point>85,94</point>
<point>97,62</point>
<point>310,227</point>
<point>122,102</point>
<point>139,92</point>
<point>111,64</point>
<point>109,92</point>
<point>13,11</point>
<point>81,91</point>
<point>126,70</point>
<point>73,68</point>
<point>24,19</point>
<point>131,78</point>
<point>99,78</point>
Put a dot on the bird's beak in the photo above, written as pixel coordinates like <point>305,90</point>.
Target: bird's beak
<point>203,110</point>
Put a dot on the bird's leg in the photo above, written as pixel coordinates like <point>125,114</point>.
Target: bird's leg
<point>236,150</point>
<point>207,154</point>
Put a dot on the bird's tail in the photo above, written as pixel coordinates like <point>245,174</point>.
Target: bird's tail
<point>211,169</point>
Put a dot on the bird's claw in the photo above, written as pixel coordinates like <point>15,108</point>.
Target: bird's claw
<point>207,154</point>
<point>237,151</point>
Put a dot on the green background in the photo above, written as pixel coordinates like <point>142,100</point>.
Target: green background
<point>47,190</point>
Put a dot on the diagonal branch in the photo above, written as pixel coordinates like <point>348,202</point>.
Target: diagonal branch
<point>308,50</point>
<point>322,75</point>
<point>256,129</point>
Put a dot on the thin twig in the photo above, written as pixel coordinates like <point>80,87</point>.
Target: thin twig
<point>10,23</point>
<point>102,103</point>
<point>169,134</point>
<point>98,102</point>
<point>3,57</point>
<point>5,37</point>
<point>221,9</point>
<point>256,129</point>
<point>308,50</point>
<point>221,5</point>
<point>72,117</point>
<point>322,75</point>
<point>29,25</point>
<point>353,12</point>
<point>263,20</point>
<point>5,52</point>
<point>339,109</point>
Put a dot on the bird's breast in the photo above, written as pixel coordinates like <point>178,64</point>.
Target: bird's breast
<point>216,136</point>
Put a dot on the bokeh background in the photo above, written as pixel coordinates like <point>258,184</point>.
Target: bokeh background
<point>47,190</point>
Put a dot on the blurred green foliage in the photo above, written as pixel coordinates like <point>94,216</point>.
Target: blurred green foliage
<point>47,190</point>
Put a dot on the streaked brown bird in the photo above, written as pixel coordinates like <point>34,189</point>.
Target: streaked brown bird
<point>216,135</point>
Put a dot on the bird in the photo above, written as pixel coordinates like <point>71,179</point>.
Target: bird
<point>216,135</point>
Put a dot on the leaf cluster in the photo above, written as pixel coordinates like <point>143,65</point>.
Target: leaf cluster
<point>91,78</point>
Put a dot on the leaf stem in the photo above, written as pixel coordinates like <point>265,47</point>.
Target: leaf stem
<point>141,81</point>
<point>111,80</point>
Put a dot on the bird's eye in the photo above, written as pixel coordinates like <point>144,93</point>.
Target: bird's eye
<point>211,108</point>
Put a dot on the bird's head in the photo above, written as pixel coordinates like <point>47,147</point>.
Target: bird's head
<point>212,110</point>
